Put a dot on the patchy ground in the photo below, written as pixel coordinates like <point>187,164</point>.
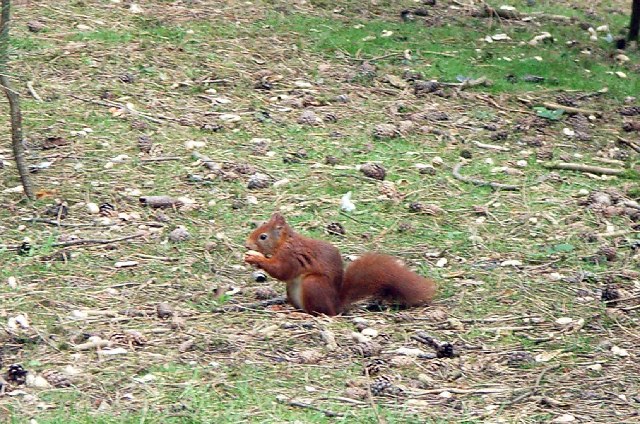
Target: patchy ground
<point>117,311</point>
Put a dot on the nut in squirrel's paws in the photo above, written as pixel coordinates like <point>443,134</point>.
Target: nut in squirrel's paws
<point>252,256</point>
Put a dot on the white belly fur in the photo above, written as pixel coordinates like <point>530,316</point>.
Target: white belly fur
<point>294,291</point>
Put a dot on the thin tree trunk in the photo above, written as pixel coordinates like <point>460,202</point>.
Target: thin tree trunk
<point>14,101</point>
<point>634,26</point>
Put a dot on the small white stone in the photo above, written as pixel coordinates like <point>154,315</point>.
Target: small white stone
<point>446,395</point>
<point>522,163</point>
<point>93,208</point>
<point>564,321</point>
<point>488,161</point>
<point>566,418</point>
<point>595,367</point>
<point>437,161</point>
<point>442,262</point>
<point>370,332</point>
<point>618,351</point>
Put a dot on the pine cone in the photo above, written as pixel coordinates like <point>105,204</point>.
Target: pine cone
<point>631,126</point>
<point>366,349</point>
<point>420,88</point>
<point>385,131</point>
<point>445,350</point>
<point>308,117</point>
<point>630,111</point>
<point>144,143</point>
<point>336,228</point>
<point>35,26</point>
<point>375,366</point>
<point>610,294</point>
<point>367,70</point>
<point>331,160</point>
<point>57,379</point>
<point>59,210</point>
<point>211,127</point>
<point>609,252</point>
<point>437,116</point>
<point>380,385</point>
<point>257,181</point>
<point>544,154</point>
<point>499,135</point>
<point>566,100</point>
<point>24,248</point>
<point>107,209</point>
<point>17,374</point>
<point>518,358</point>
<point>373,170</point>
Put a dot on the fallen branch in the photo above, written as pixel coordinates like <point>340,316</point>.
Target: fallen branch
<point>158,119</point>
<point>490,146</point>
<point>569,166</point>
<point>207,161</point>
<point>33,91</point>
<point>630,143</point>
<point>61,224</point>
<point>84,242</point>
<point>326,412</point>
<point>535,388</point>
<point>280,300</point>
<point>161,159</point>
<point>482,183</point>
<point>571,110</point>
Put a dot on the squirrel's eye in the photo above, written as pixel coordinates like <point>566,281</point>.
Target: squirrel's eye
<point>263,236</point>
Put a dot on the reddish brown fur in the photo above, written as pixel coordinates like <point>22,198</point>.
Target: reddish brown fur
<point>313,271</point>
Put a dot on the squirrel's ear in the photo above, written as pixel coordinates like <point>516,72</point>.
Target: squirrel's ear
<point>278,219</point>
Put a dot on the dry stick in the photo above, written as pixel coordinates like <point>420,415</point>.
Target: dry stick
<point>62,224</point>
<point>84,242</point>
<point>474,181</point>
<point>280,300</point>
<point>535,388</point>
<point>33,91</point>
<point>380,419</point>
<point>569,166</point>
<point>629,143</point>
<point>326,412</point>
<point>571,110</point>
<point>161,159</point>
<point>14,102</point>
<point>491,146</point>
<point>159,120</point>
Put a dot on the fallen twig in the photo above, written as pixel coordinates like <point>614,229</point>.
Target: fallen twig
<point>570,166</point>
<point>535,388</point>
<point>478,182</point>
<point>490,146</point>
<point>326,412</point>
<point>84,242</point>
<point>61,224</point>
<point>158,119</point>
<point>33,91</point>
<point>630,143</point>
<point>161,159</point>
<point>571,110</point>
<point>280,300</point>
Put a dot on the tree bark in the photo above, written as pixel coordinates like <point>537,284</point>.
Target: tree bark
<point>14,101</point>
<point>634,26</point>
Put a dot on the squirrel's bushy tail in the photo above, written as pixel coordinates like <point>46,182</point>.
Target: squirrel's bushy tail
<point>382,276</point>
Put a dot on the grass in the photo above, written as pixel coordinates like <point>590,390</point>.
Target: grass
<point>246,366</point>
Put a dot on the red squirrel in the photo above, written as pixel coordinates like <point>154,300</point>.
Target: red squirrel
<point>315,278</point>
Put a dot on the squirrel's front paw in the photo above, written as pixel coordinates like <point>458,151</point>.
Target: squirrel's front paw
<point>253,257</point>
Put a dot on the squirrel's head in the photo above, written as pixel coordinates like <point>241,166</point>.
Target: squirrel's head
<point>269,236</point>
